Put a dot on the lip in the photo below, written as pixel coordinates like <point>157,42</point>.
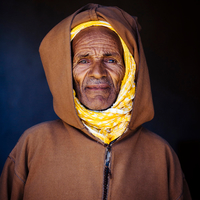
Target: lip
<point>101,86</point>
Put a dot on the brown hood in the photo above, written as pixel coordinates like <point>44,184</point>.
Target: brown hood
<point>55,52</point>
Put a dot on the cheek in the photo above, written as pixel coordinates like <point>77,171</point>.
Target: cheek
<point>77,82</point>
<point>117,76</point>
<point>78,76</point>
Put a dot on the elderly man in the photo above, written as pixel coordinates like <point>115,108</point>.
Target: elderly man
<point>98,149</point>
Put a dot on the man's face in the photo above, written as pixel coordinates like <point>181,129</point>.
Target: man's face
<point>98,67</point>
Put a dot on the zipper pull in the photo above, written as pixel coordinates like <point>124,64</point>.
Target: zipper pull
<point>107,160</point>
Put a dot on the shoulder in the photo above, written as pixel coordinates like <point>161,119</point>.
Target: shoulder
<point>152,138</point>
<point>156,145</point>
<point>38,135</point>
<point>42,130</point>
<point>44,126</point>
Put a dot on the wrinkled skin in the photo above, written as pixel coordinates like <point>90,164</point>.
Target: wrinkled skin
<point>98,67</point>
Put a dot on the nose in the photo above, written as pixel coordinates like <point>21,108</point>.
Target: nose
<point>97,70</point>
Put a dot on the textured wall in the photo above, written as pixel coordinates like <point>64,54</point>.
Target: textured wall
<point>169,35</point>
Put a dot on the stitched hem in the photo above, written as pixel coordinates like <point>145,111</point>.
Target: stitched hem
<point>15,171</point>
<point>180,196</point>
<point>20,178</point>
<point>11,158</point>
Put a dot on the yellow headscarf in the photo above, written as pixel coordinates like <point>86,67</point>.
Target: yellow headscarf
<point>110,124</point>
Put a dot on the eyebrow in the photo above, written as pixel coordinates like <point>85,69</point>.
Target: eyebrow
<point>111,54</point>
<point>105,54</point>
<point>83,55</point>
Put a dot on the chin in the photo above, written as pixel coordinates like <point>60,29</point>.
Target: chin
<point>99,106</point>
<point>98,102</point>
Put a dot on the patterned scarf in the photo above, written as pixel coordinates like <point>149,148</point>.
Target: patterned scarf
<point>110,124</point>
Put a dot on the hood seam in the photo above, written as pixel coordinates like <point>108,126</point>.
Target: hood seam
<point>93,14</point>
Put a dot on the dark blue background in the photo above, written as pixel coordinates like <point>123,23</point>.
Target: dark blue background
<point>171,43</point>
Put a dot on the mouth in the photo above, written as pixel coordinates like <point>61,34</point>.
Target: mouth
<point>101,86</point>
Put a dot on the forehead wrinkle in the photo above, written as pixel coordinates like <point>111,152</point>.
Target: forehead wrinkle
<point>100,33</point>
<point>94,47</point>
<point>96,52</point>
<point>97,43</point>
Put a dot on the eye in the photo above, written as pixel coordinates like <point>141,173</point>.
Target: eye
<point>110,60</point>
<point>83,61</point>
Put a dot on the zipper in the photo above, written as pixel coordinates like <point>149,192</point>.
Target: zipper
<point>107,171</point>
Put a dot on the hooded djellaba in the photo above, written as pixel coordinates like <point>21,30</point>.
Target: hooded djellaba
<point>89,154</point>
